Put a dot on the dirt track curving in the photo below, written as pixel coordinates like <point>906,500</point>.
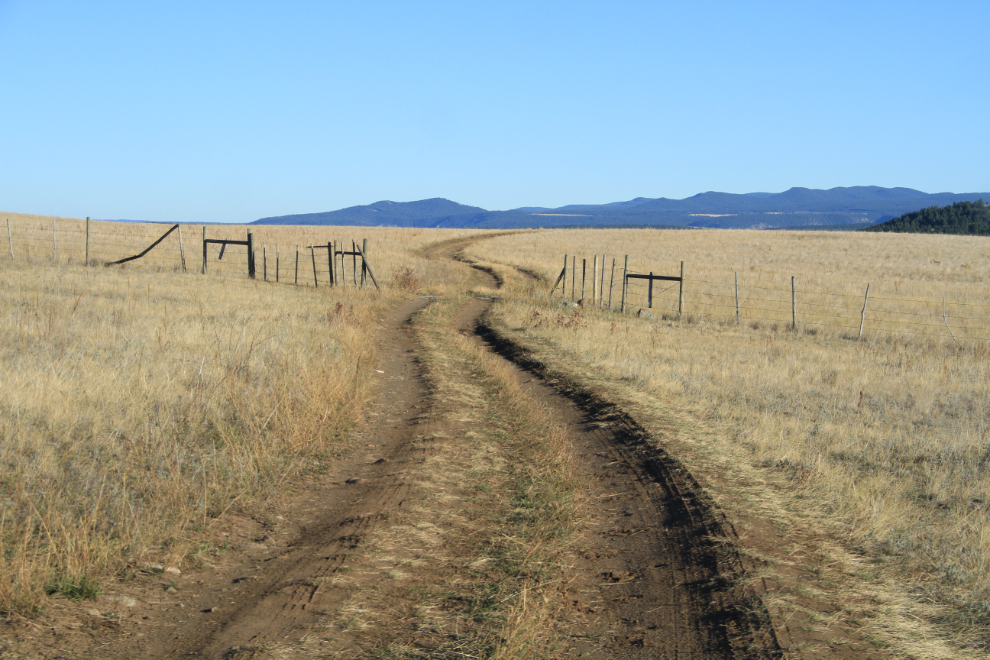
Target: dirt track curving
<point>647,578</point>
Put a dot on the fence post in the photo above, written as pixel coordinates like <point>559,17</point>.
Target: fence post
<point>584,272</point>
<point>364,257</point>
<point>649,295</point>
<point>680,294</point>
<point>333,281</point>
<point>182,250</point>
<point>563,284</point>
<point>354,263</point>
<point>737,297</point>
<point>264,261</point>
<point>54,250</point>
<point>793,306</point>
<point>601,285</point>
<point>573,277</point>
<point>625,285</point>
<point>204,249</point>
<point>594,281</point>
<point>276,263</point>
<point>250,249</point>
<point>296,283</point>
<point>87,240</point>
<point>10,243</point>
<point>862,320</point>
<point>611,283</point>
<point>312,252</point>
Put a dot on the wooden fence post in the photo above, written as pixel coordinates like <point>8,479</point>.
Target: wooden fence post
<point>611,283</point>
<point>87,241</point>
<point>573,278</point>
<point>680,294</point>
<point>10,243</point>
<point>649,294</point>
<point>563,285</point>
<point>737,297</point>
<point>862,320</point>
<point>584,272</point>
<point>594,281</point>
<point>250,249</point>
<point>601,285</point>
<point>264,261</point>
<point>625,284</point>
<point>333,281</point>
<point>276,263</point>
<point>354,262</point>
<point>364,259</point>
<point>182,250</point>
<point>312,251</point>
<point>793,306</point>
<point>204,249</point>
<point>297,266</point>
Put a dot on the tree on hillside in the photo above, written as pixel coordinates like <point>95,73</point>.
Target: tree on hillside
<point>968,218</point>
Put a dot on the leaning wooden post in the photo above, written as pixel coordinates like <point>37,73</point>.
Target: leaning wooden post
<point>204,249</point>
<point>10,243</point>
<point>737,297</point>
<point>563,284</point>
<point>250,249</point>
<point>862,320</point>
<point>87,241</point>
<point>364,258</point>
<point>264,261</point>
<point>793,306</point>
<point>594,281</point>
<point>680,294</point>
<point>611,284</point>
<point>312,251</point>
<point>182,250</point>
<point>297,266</point>
<point>625,285</point>
<point>649,293</point>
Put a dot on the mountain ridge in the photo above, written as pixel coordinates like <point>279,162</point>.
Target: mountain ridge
<point>855,206</point>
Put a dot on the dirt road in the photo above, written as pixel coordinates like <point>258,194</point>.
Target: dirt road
<point>391,554</point>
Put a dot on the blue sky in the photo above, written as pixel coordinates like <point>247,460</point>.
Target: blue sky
<point>228,112</point>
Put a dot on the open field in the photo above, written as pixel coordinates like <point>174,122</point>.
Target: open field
<point>141,407</point>
<point>135,408</point>
<point>883,440</point>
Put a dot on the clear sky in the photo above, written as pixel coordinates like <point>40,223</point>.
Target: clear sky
<point>232,111</point>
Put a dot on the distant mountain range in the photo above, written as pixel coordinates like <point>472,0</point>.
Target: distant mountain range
<point>805,208</point>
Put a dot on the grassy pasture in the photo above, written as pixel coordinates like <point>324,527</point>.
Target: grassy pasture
<point>883,439</point>
<point>138,403</point>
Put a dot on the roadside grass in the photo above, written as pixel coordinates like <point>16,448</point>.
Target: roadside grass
<point>137,408</point>
<point>882,442</point>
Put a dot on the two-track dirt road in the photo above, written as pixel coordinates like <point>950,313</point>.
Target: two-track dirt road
<point>347,566</point>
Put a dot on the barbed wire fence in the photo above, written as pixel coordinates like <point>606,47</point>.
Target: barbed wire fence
<point>754,305</point>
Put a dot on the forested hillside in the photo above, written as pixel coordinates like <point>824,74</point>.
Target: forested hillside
<point>972,218</point>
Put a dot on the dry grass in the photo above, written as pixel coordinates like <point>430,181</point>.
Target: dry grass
<point>138,403</point>
<point>885,440</point>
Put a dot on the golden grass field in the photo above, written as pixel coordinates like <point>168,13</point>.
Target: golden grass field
<point>138,403</point>
<point>884,439</point>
